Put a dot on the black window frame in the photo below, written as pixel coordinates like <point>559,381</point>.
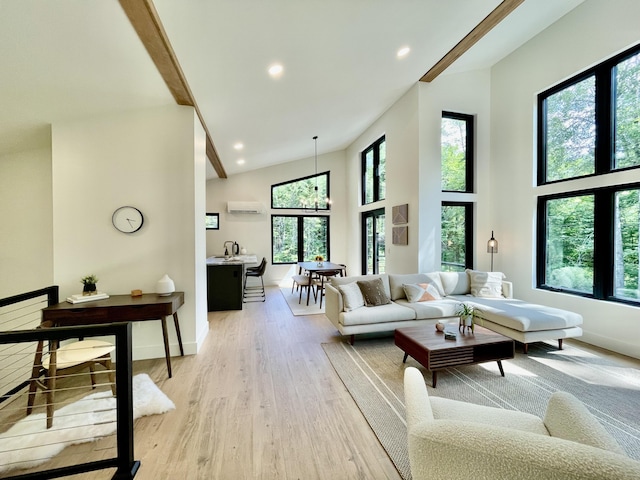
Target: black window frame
<point>300,246</point>
<point>468,230</point>
<point>217,217</point>
<point>603,195</point>
<point>375,147</point>
<point>470,150</point>
<point>604,121</point>
<point>322,206</point>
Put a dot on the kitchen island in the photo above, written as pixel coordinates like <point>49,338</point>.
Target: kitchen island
<point>225,275</point>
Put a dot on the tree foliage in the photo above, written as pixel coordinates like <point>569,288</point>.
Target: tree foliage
<point>453,145</point>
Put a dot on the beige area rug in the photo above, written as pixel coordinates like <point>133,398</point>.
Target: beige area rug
<point>372,371</point>
<point>301,309</point>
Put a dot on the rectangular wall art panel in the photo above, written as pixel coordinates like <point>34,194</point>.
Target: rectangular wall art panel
<point>400,235</point>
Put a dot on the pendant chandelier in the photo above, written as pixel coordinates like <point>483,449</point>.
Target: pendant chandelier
<point>315,202</point>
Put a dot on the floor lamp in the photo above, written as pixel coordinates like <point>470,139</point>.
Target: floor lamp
<point>492,247</point>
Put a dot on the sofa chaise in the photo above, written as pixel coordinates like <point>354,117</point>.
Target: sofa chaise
<point>459,440</point>
<point>439,295</point>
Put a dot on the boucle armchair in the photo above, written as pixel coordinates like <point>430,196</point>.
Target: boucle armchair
<point>457,440</point>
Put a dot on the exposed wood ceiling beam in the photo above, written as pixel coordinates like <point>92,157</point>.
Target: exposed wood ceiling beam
<point>490,21</point>
<point>146,22</point>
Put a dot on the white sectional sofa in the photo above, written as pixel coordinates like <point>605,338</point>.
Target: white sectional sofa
<point>522,321</point>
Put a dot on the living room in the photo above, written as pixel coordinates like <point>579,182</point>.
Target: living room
<point>92,165</point>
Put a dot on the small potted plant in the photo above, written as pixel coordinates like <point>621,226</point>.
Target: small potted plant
<point>467,314</point>
<point>89,283</point>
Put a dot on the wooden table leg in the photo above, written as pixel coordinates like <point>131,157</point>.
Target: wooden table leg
<point>434,378</point>
<point>167,354</point>
<point>404,360</point>
<point>175,321</point>
<point>500,367</point>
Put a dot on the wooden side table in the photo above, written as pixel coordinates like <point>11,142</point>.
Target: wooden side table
<point>120,308</point>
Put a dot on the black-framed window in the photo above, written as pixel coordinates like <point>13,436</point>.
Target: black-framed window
<point>374,172</point>
<point>212,221</point>
<point>588,243</point>
<point>588,125</point>
<point>456,152</point>
<point>456,234</point>
<point>587,239</point>
<point>299,238</point>
<point>311,192</point>
<point>373,242</point>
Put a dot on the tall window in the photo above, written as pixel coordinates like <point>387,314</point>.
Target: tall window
<point>456,236</point>
<point>374,173</point>
<point>456,144</point>
<point>373,242</point>
<point>301,193</point>
<point>299,238</point>
<point>588,126</point>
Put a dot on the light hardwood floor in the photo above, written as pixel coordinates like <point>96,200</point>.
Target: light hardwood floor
<point>260,400</point>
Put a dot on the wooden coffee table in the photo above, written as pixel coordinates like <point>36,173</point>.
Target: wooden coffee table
<point>429,348</point>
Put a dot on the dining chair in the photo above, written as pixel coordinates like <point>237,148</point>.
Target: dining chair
<point>63,361</point>
<point>323,279</point>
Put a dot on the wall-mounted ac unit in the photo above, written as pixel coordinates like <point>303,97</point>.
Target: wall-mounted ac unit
<point>245,207</point>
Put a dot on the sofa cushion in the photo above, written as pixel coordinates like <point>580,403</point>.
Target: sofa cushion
<point>373,292</point>
<point>454,283</point>
<point>351,296</point>
<point>434,309</point>
<point>421,292</point>
<point>396,282</point>
<point>336,281</point>
<point>388,313</point>
<point>522,316</point>
<point>485,284</point>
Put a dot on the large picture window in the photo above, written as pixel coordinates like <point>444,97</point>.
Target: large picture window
<point>374,174</point>
<point>301,193</point>
<point>456,233</point>
<point>457,145</point>
<point>588,126</point>
<point>299,238</point>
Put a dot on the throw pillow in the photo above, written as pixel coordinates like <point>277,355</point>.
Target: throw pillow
<point>351,296</point>
<point>485,284</point>
<point>421,292</point>
<point>373,292</point>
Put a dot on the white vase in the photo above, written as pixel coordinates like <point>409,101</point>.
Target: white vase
<point>165,286</point>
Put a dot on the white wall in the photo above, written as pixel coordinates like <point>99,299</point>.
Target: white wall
<point>467,93</point>
<point>153,160</point>
<point>253,231</point>
<point>399,124</point>
<point>26,240</point>
<point>594,31</point>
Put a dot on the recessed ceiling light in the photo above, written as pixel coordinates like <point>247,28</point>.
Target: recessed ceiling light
<point>403,52</point>
<point>238,146</point>
<point>240,161</point>
<point>275,70</point>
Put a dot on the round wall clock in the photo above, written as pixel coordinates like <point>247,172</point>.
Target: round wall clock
<point>127,219</point>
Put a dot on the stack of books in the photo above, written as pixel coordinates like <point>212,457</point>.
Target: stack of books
<point>80,298</point>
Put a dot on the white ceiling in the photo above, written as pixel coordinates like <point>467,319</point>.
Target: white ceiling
<point>69,59</point>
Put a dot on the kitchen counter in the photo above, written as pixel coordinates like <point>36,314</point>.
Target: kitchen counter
<point>224,281</point>
<point>232,260</point>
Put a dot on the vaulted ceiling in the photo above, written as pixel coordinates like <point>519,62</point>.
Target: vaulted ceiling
<point>69,59</point>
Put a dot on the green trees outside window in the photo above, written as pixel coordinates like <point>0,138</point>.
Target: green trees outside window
<point>456,146</point>
<point>301,193</point>
<point>456,235</point>
<point>588,240</point>
<point>299,238</point>
<point>374,172</point>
